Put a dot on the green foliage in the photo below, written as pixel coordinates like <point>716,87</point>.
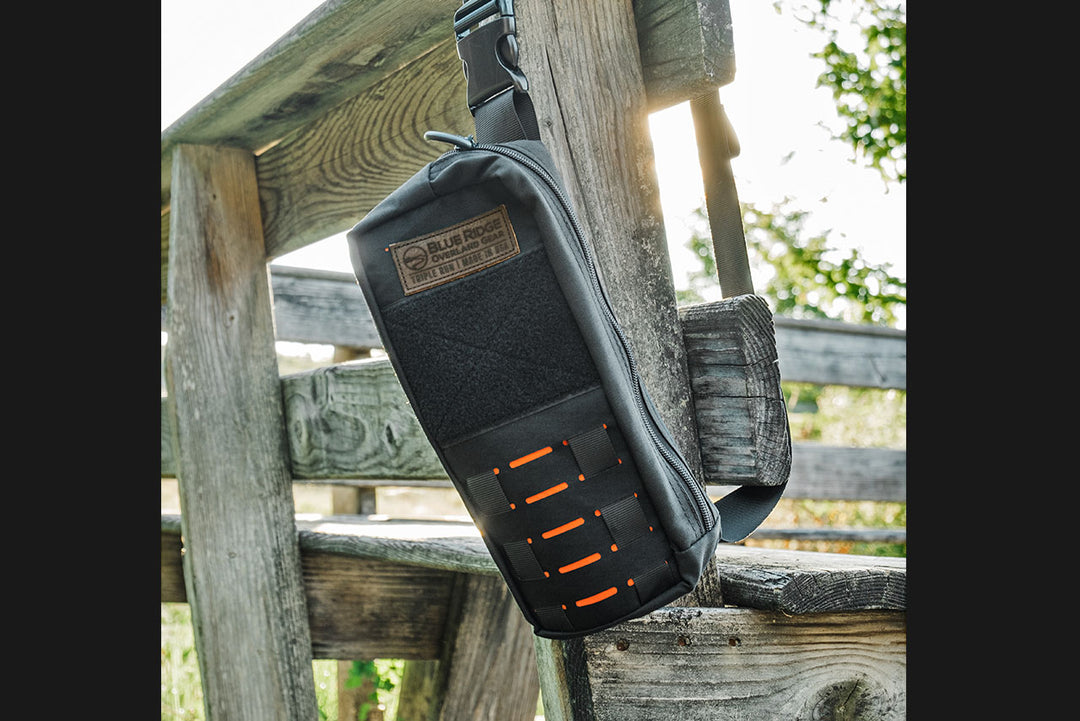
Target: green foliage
<point>804,278</point>
<point>809,280</point>
<point>181,686</point>
<point>868,83</point>
<point>383,677</point>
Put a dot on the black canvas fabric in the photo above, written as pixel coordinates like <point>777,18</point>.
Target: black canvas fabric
<point>485,292</point>
<point>527,390</point>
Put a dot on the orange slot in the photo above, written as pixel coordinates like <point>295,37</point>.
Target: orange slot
<point>563,528</point>
<point>549,492</point>
<point>531,457</point>
<point>578,564</point>
<point>597,598</point>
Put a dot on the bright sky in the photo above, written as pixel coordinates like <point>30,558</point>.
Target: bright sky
<point>773,105</point>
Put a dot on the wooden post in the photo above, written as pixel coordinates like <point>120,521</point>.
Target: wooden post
<point>487,668</point>
<point>241,562</point>
<point>585,79</point>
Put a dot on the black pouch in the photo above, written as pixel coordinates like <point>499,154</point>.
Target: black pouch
<point>486,294</point>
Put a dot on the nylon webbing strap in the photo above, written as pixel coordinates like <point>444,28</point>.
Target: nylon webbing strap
<point>507,116</point>
<point>553,617</point>
<point>653,581</point>
<point>717,144</point>
<point>486,493</point>
<point>743,510</point>
<point>625,520</point>
<point>593,451</point>
<point>523,560</point>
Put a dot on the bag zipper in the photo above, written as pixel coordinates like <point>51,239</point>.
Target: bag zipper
<point>670,456</point>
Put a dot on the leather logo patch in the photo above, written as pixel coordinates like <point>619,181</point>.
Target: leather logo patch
<point>455,252</point>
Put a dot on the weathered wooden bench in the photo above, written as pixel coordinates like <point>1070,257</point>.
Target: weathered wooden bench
<point>295,148</point>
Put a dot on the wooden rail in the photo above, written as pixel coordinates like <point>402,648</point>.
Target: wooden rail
<point>350,423</point>
<point>332,114</point>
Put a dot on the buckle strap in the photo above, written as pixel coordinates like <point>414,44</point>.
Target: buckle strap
<point>485,31</point>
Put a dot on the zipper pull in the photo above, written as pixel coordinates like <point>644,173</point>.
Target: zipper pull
<point>463,143</point>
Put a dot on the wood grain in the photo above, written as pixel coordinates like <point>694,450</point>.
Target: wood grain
<point>350,90</point>
<point>232,460</point>
<point>718,663</point>
<point>798,582</point>
<point>741,417</point>
<point>488,665</point>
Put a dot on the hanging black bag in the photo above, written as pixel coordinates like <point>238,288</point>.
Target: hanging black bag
<point>484,289</point>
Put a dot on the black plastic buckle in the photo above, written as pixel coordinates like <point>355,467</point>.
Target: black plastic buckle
<point>488,50</point>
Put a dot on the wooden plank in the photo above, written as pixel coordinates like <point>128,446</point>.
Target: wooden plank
<point>339,50</point>
<point>488,666</point>
<point>796,582</point>
<point>832,533</point>
<point>241,560</point>
<point>345,47</point>
<point>350,90</point>
<point>851,474</point>
<point>686,48</point>
<point>742,421</point>
<point>701,664</point>
<point>833,352</point>
<point>812,351</point>
<point>352,422</point>
<point>322,179</point>
<point>362,608</point>
<point>172,569</point>
<point>441,545</point>
<point>761,578</point>
<point>312,306</point>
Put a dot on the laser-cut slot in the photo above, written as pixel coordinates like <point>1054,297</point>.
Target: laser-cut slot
<point>530,457</point>
<point>563,528</point>
<point>596,598</point>
<point>579,563</point>
<point>547,492</point>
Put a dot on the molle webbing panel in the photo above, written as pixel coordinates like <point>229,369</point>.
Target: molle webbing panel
<point>575,532</point>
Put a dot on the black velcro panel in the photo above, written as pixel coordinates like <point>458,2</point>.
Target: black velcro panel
<point>593,451</point>
<point>486,493</point>
<point>523,560</point>
<point>625,520</point>
<point>475,351</point>
<point>652,582</point>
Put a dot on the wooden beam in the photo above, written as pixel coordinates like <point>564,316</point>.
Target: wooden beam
<point>345,47</point>
<point>350,90</point>
<point>312,306</point>
<point>339,50</point>
<point>741,417</point>
<point>825,352</point>
<point>686,48</point>
<point>797,582</point>
<point>701,664</point>
<point>352,422</point>
<point>761,578</point>
<point>488,667</point>
<point>241,561</point>
<point>323,178</point>
<point>832,352</point>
